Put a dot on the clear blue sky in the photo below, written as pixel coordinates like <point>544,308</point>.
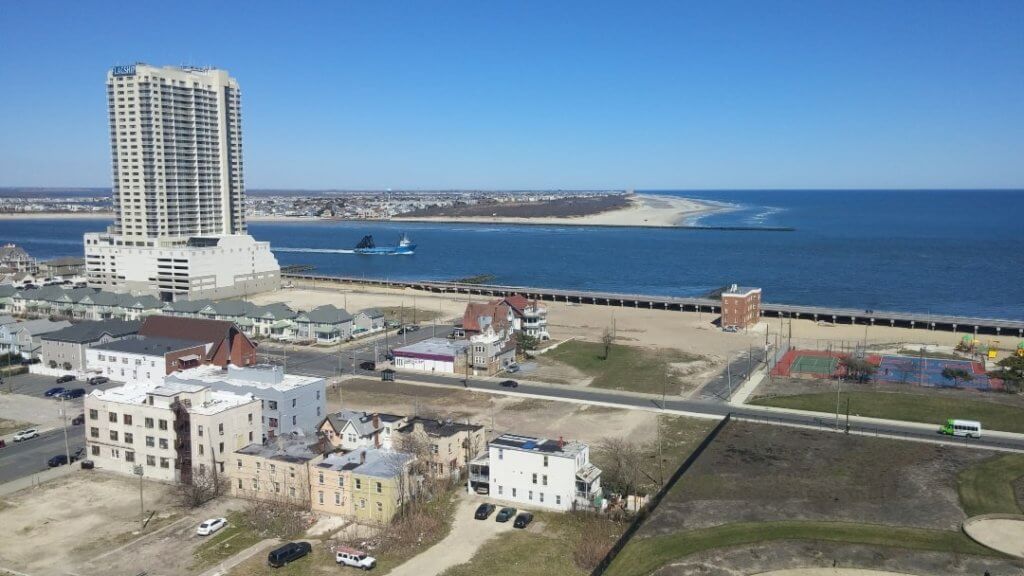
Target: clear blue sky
<point>687,95</point>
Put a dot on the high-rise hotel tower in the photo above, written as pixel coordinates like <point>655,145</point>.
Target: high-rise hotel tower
<point>178,192</point>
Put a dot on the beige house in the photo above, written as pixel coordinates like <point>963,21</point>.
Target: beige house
<point>349,429</point>
<point>275,473</point>
<point>446,446</point>
<point>368,485</point>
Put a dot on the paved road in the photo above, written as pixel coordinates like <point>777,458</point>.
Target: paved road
<point>20,459</point>
<point>715,408</point>
<point>38,384</point>
<point>723,386</point>
<point>311,361</point>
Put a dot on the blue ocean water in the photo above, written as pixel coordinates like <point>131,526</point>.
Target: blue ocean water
<point>950,252</point>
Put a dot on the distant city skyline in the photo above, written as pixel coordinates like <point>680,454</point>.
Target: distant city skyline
<point>579,95</point>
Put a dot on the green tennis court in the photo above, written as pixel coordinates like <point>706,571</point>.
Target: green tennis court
<point>814,364</point>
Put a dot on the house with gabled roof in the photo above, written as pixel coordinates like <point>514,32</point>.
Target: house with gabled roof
<point>351,429</point>
<point>275,321</point>
<point>66,348</point>
<point>325,324</point>
<point>368,320</point>
<point>225,342</point>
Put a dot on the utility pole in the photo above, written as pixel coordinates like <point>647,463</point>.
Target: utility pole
<point>467,367</point>
<point>838,386</point>
<point>64,416</point>
<point>142,507</point>
<point>847,415</point>
<point>728,376</point>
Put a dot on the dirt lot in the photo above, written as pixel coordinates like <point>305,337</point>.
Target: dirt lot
<point>510,414</point>
<point>763,473</point>
<point>88,524</point>
<point>757,558</point>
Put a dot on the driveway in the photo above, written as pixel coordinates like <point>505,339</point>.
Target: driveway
<point>466,536</point>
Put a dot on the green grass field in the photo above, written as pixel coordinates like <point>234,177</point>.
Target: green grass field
<point>227,542</point>
<point>626,368</point>
<point>987,488</point>
<point>645,555</point>
<point>931,409</point>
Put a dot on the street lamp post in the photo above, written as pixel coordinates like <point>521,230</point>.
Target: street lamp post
<point>137,470</point>
<point>64,417</point>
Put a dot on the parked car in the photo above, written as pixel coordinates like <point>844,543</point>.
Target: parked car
<point>368,365</point>
<point>78,453</point>
<point>87,465</point>
<point>55,391</point>
<point>73,393</point>
<point>58,460</point>
<point>408,328</point>
<point>508,384</point>
<point>65,378</point>
<point>80,419</point>
<point>732,329</point>
<point>523,520</point>
<point>97,380</point>
<point>505,514</point>
<point>26,434</point>
<point>484,511</point>
<point>290,552</point>
<point>210,526</point>
<point>512,368</point>
<point>356,558</point>
<point>30,361</point>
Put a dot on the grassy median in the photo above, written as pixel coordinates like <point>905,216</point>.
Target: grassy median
<point>645,555</point>
<point>987,488</point>
<point>626,367</point>
<point>932,409</point>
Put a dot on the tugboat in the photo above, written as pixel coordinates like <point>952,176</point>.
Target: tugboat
<point>404,247</point>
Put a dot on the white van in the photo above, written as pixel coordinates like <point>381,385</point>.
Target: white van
<point>968,428</point>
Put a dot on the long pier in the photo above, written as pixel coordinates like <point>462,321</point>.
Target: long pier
<point>963,324</point>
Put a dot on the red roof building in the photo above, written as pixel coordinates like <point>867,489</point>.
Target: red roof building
<point>225,341</point>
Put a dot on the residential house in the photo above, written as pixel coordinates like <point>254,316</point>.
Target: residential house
<point>325,324</point>
<point>529,317</point>
<point>62,267</point>
<point>368,485</point>
<point>25,338</point>
<point>479,314</point>
<point>537,472</point>
<point>348,429</point>
<point>432,355</point>
<point>15,257</point>
<point>66,348</point>
<point>292,405</point>
<point>368,320</point>
<point>273,321</point>
<point>491,350</point>
<point>276,472</point>
<point>172,431</point>
<point>7,293</point>
<point>447,446</point>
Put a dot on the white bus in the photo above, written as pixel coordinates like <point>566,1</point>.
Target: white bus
<point>968,428</point>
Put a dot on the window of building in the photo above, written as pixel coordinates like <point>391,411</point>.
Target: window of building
<point>501,456</point>
<point>250,435</point>
<point>127,419</point>
<point>541,496</point>
<point>149,422</point>
<point>380,488</point>
<point>558,498</point>
<point>163,424</point>
<point>513,492</point>
<point>151,460</point>
<point>115,453</point>
<point>165,463</point>
<point>94,432</point>
<point>433,448</point>
<point>93,415</point>
<point>221,446</point>
<point>255,484</point>
<point>341,481</point>
<point>239,462</point>
<point>113,435</point>
<point>129,438</point>
<point>239,483</point>
<point>113,417</point>
<point>362,503</point>
<point>250,417</point>
<point>499,489</point>
<point>337,498</point>
<point>201,450</point>
<point>380,507</point>
<point>220,428</point>
<point>150,441</point>
<point>163,443</point>
<point>534,477</point>
<point>95,450</point>
<point>359,484</point>
<point>272,404</point>
<point>545,461</point>
<point>320,496</point>
<point>199,430</point>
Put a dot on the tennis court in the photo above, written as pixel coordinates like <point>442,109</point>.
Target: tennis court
<point>822,365</point>
<point>807,364</point>
<point>928,372</point>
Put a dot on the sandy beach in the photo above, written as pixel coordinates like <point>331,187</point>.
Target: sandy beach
<point>650,210</point>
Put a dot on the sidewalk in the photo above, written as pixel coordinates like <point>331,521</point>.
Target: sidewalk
<point>38,478</point>
<point>226,566</point>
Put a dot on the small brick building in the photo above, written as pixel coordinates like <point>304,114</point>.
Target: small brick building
<point>741,306</point>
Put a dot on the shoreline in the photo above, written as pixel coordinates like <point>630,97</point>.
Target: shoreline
<point>645,211</point>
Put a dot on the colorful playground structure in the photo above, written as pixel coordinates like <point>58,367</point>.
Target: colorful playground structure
<point>890,368</point>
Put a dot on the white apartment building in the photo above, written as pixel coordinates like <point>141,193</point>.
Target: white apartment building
<point>143,360</point>
<point>173,431</point>
<point>538,473</point>
<point>178,191</point>
<point>292,405</point>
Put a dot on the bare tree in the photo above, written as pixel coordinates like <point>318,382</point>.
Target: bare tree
<point>206,485</point>
<point>623,465</point>
<point>608,338</point>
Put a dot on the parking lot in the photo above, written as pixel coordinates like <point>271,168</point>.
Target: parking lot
<point>38,384</point>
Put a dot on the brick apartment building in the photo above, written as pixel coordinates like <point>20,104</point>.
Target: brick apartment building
<point>741,306</point>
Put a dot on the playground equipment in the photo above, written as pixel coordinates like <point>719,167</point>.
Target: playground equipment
<point>1020,349</point>
<point>968,343</point>
<point>993,348</point>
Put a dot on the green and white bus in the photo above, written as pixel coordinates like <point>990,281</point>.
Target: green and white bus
<point>968,428</point>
